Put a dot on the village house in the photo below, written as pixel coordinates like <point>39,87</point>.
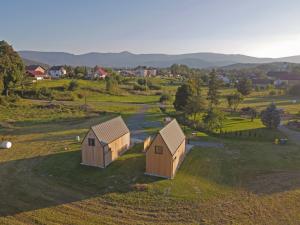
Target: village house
<point>36,72</point>
<point>57,71</point>
<point>166,151</point>
<point>143,71</point>
<point>99,73</point>
<point>261,83</point>
<point>105,142</point>
<point>284,78</point>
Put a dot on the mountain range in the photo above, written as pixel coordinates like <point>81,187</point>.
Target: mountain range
<point>127,59</point>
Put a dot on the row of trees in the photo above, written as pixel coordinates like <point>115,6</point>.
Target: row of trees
<point>190,102</point>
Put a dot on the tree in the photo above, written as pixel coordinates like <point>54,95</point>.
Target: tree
<point>195,105</point>
<point>11,67</point>
<point>234,100</point>
<point>111,84</point>
<point>270,117</point>
<point>178,69</point>
<point>244,86</point>
<point>184,92</point>
<point>195,83</point>
<point>214,85</point>
<point>214,119</point>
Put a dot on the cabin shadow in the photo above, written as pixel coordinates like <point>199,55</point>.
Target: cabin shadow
<point>56,179</point>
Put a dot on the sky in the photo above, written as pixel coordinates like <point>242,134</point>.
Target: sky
<point>261,28</point>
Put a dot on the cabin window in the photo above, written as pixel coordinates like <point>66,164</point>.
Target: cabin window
<point>91,141</point>
<point>158,149</point>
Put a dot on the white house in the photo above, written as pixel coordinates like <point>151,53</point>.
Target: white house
<point>57,71</point>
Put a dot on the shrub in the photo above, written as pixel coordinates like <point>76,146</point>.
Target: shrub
<point>154,87</point>
<point>141,81</point>
<point>295,90</point>
<point>165,98</point>
<point>138,87</point>
<point>3,101</point>
<point>272,93</point>
<point>73,85</point>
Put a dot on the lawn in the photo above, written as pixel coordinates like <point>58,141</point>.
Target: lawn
<point>248,181</point>
<point>230,185</point>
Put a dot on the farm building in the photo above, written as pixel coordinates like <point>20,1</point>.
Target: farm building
<point>105,142</point>
<point>166,151</point>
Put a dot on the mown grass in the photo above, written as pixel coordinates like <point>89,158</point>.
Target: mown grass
<point>42,182</point>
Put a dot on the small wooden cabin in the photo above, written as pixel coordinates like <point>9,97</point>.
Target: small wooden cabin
<point>105,142</point>
<point>166,151</point>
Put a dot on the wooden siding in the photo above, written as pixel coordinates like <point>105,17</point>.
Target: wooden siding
<point>117,148</point>
<point>92,155</point>
<point>159,164</point>
<point>178,157</point>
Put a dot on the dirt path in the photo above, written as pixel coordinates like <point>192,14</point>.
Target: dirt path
<point>294,136</point>
<point>138,124</point>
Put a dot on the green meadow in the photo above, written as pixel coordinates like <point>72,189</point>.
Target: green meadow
<point>249,180</point>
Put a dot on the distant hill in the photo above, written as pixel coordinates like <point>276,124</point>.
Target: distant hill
<point>28,62</point>
<point>127,59</point>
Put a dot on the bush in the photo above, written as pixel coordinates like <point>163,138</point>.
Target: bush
<point>138,87</point>
<point>43,93</point>
<point>3,101</point>
<point>272,93</point>
<point>73,85</point>
<point>165,98</point>
<point>141,81</point>
<point>154,87</point>
<point>295,90</point>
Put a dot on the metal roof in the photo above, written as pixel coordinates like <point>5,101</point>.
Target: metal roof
<point>110,130</point>
<point>172,135</point>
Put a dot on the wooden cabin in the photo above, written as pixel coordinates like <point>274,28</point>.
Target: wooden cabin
<point>105,142</point>
<point>166,151</point>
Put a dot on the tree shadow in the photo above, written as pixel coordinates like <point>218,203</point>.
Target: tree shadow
<point>51,180</point>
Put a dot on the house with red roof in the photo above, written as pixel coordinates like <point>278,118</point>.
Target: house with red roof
<point>98,73</point>
<point>36,72</point>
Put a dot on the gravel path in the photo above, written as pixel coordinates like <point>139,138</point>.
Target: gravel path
<point>292,135</point>
<point>138,124</point>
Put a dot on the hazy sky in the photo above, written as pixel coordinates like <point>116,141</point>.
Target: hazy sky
<point>269,28</point>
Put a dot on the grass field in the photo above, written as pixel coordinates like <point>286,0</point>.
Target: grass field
<point>42,182</point>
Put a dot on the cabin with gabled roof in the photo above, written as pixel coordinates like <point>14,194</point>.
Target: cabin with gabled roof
<point>105,142</point>
<point>166,151</point>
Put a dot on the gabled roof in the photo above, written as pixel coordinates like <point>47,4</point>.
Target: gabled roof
<point>110,130</point>
<point>33,67</point>
<point>101,71</point>
<point>172,135</point>
<point>56,68</point>
<point>261,81</point>
<point>283,75</point>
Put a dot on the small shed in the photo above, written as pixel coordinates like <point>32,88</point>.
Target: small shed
<point>166,151</point>
<point>105,142</point>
